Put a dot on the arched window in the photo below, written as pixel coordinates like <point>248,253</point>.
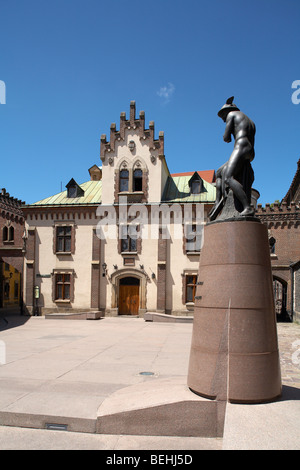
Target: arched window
<point>11,234</point>
<point>137,180</point>
<point>272,242</point>
<point>124,180</point>
<point>5,234</point>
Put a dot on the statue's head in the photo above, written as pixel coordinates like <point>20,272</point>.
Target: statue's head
<point>228,106</point>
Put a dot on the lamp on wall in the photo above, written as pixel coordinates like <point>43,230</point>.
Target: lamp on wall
<point>104,266</point>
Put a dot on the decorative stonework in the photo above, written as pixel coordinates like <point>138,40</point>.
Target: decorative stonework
<point>279,214</point>
<point>10,207</point>
<point>132,123</point>
<point>129,272</point>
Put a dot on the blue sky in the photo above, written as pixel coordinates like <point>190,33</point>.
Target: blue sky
<point>72,66</point>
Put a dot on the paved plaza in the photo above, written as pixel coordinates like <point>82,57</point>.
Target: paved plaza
<point>64,370</point>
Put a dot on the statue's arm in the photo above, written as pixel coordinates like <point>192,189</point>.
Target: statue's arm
<point>228,129</point>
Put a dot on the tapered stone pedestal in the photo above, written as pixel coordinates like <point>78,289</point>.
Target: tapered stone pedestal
<point>234,352</point>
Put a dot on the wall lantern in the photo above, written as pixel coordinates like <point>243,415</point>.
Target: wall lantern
<point>104,266</point>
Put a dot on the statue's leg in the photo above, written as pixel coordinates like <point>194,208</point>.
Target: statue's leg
<point>234,166</point>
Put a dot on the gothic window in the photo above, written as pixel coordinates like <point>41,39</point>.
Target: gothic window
<point>5,234</point>
<point>124,180</point>
<point>137,180</point>
<point>11,234</point>
<point>8,234</point>
<point>272,242</point>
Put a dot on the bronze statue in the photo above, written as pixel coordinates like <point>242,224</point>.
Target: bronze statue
<point>236,174</point>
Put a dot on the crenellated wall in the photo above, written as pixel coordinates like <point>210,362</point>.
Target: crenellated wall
<point>283,222</point>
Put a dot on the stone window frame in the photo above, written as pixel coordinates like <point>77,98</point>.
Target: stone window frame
<point>186,240</point>
<point>186,273</point>
<point>62,223</point>
<point>123,178</point>
<point>138,241</point>
<point>136,164</point>
<point>63,271</point>
<point>8,234</point>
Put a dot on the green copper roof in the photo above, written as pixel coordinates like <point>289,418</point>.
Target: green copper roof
<point>177,190</point>
<point>92,195</point>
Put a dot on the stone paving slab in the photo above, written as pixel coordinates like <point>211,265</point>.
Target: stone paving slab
<point>67,368</point>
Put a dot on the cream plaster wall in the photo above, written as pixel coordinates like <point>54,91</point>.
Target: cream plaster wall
<point>158,170</point>
<point>81,260</point>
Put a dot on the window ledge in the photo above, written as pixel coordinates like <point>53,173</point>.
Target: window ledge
<point>126,253</point>
<point>63,253</point>
<point>62,301</point>
<point>193,252</point>
<point>129,193</point>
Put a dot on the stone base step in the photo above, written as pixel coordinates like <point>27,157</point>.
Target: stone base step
<point>163,407</point>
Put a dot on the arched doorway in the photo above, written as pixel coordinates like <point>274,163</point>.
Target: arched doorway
<point>280,295</point>
<point>129,298</point>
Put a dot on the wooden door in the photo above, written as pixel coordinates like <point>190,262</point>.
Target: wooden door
<point>128,300</point>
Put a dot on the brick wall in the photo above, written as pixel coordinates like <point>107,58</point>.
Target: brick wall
<point>161,272</point>
<point>283,222</point>
<point>96,271</point>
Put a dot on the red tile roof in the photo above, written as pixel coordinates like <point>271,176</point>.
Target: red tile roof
<point>207,175</point>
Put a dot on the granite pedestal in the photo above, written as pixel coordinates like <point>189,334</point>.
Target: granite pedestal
<point>234,352</point>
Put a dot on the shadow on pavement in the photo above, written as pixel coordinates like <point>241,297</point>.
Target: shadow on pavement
<point>290,393</point>
<point>11,320</point>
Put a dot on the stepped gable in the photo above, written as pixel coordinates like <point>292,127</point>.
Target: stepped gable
<point>131,124</point>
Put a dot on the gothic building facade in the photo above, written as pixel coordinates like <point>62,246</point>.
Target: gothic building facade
<point>128,241</point>
<point>125,242</point>
<point>283,221</point>
<point>12,248</point>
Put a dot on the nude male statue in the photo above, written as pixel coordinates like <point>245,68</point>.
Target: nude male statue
<point>243,131</point>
